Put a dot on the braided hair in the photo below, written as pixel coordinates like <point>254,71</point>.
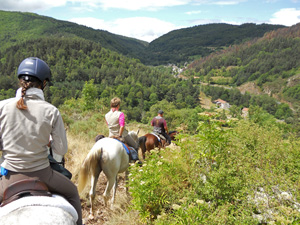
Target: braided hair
<point>27,82</point>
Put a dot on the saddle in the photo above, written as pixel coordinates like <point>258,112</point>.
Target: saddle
<point>133,155</point>
<point>159,136</point>
<point>22,188</point>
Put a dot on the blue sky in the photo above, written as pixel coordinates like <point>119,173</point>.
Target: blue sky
<point>149,19</point>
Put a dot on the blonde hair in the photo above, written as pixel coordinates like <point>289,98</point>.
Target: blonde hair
<point>115,102</point>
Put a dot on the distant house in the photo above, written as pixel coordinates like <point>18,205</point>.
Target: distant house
<point>245,112</point>
<point>222,104</point>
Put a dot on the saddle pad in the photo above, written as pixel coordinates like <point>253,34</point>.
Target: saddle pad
<point>156,136</point>
<point>54,201</point>
<point>127,150</point>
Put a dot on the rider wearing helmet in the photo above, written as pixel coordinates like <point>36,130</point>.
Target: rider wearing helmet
<point>26,123</point>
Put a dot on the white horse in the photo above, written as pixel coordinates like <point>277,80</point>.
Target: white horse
<point>37,210</point>
<point>107,155</point>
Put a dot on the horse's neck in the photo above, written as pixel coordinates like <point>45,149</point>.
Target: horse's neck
<point>134,136</point>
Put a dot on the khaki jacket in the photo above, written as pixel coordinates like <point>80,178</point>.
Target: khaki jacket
<point>112,119</point>
<point>24,134</point>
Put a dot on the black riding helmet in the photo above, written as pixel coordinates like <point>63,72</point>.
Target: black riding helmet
<point>34,67</point>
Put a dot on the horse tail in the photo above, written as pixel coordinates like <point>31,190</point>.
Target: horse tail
<point>90,164</point>
<point>142,143</point>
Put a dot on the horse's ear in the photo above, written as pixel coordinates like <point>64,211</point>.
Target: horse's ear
<point>138,132</point>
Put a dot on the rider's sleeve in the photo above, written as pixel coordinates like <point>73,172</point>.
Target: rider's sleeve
<point>165,123</point>
<point>122,120</point>
<point>1,145</point>
<point>59,143</point>
<point>152,123</point>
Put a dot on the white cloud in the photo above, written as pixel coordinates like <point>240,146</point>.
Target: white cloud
<point>209,21</point>
<point>91,22</point>
<point>30,5</point>
<point>91,5</point>
<point>287,17</point>
<point>132,5</point>
<point>193,12</point>
<point>142,28</point>
<point>226,2</point>
<point>33,5</point>
<point>219,2</point>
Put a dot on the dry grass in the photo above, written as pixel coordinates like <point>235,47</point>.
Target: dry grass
<point>78,148</point>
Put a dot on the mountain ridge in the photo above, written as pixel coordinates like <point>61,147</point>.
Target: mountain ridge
<point>178,46</point>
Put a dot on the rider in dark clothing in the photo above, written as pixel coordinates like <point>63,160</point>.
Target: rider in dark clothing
<point>160,126</point>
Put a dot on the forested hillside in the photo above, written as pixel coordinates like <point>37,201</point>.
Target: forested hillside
<point>176,47</point>
<point>87,62</point>
<point>75,62</point>
<point>17,27</point>
<point>271,63</point>
<point>184,45</point>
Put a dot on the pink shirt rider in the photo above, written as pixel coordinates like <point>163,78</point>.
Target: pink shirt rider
<point>121,118</point>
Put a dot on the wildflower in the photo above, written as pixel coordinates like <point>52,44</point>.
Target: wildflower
<point>183,200</point>
<point>200,201</point>
<point>176,207</point>
<point>143,182</point>
<point>159,163</point>
<point>162,216</point>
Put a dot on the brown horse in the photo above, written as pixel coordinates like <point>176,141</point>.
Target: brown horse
<point>173,134</point>
<point>150,141</point>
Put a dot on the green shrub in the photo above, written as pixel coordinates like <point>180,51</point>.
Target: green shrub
<point>157,185</point>
<point>248,174</point>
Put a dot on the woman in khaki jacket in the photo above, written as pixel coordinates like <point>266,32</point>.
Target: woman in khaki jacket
<point>115,120</point>
<point>26,123</point>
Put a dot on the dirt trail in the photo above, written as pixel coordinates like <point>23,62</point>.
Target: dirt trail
<point>101,214</point>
